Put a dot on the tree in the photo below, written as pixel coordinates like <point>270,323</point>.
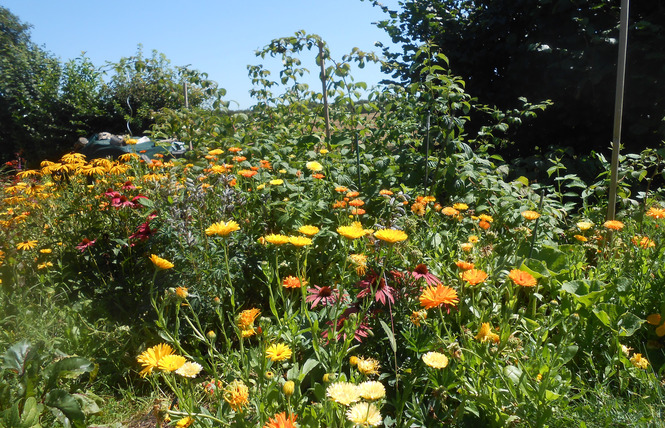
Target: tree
<point>563,50</point>
<point>29,87</point>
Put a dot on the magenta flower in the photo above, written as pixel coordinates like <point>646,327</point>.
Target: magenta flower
<point>383,292</point>
<point>361,332</point>
<point>85,244</point>
<point>326,296</point>
<point>421,271</point>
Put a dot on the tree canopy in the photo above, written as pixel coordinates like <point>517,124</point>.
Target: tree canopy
<point>562,50</point>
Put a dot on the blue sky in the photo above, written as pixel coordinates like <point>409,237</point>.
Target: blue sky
<point>218,37</point>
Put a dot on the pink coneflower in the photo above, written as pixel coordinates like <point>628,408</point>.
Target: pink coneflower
<point>421,271</point>
<point>361,332</point>
<point>128,186</point>
<point>143,232</point>
<point>372,284</point>
<point>85,244</point>
<point>326,296</point>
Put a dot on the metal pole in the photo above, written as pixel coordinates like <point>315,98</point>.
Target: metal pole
<point>325,94</point>
<point>429,115</point>
<point>618,109</point>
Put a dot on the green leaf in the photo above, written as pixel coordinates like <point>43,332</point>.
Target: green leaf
<point>307,367</point>
<point>70,368</point>
<point>389,333</point>
<point>628,324</point>
<point>568,353</point>
<point>66,403</point>
<point>551,396</point>
<point>513,373</point>
<point>16,357</point>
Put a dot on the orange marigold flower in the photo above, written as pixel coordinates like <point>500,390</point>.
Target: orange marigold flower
<point>358,211</point>
<point>580,238</point>
<point>235,149</point>
<point>281,421</point>
<point>428,199</point>
<point>643,242</point>
<point>484,224</point>
<point>464,265</point>
<point>656,212</point>
<point>530,215</point>
<point>449,211</point>
<point>291,282</point>
<point>352,194</point>
<point>433,297</point>
<point>418,209</point>
<point>474,276</point>
<point>318,176</point>
<point>247,173</point>
<point>339,204</point>
<point>356,203</point>
<point>341,189</point>
<point>654,319</point>
<point>237,395</point>
<point>613,224</point>
<point>239,158</point>
<point>385,192</point>
<point>520,277</point>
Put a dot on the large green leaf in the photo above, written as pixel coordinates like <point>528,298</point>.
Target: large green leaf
<point>70,367</point>
<point>68,405</point>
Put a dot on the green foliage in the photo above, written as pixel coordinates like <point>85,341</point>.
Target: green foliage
<point>564,51</point>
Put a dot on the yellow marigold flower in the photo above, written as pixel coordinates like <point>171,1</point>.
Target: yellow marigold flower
<point>308,230</point>
<point>391,235</point>
<point>660,330</point>
<point>372,390</point>
<point>314,166</point>
<point>656,212</point>
<point>343,393</point>
<point>323,151</point>
<point>353,360</point>
<point>433,297</point>
<point>486,334</point>
<point>182,292</point>
<point>185,422</point>
<point>189,369</point>
<point>276,182</point>
<point>429,199</point>
<point>222,229</point>
<point>291,282</point>
<point>44,265</point>
<point>473,239</point>
<point>360,260</point>
<point>237,395</point>
<point>215,152</point>
<point>580,238</point>
<point>368,366</point>
<point>150,358</point>
<point>643,242</point>
<point>530,215</point>
<point>364,415</point>
<point>417,317</point>
<point>474,276</point>
<point>520,277</point>
<point>278,352</point>
<point>289,388</point>
<point>639,361</point>
<point>485,217</point>
<point>170,363</point>
<point>160,263</point>
<point>461,206</point>
<point>354,231</point>
<point>435,360</point>
<point>276,239</point>
<point>449,211</point>
<point>613,224</point>
<point>128,156</point>
<point>27,245</point>
<point>299,241</point>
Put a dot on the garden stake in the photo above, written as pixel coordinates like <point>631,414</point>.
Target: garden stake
<point>355,136</point>
<point>429,115</point>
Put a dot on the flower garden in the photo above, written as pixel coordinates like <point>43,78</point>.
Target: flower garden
<point>260,285</point>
